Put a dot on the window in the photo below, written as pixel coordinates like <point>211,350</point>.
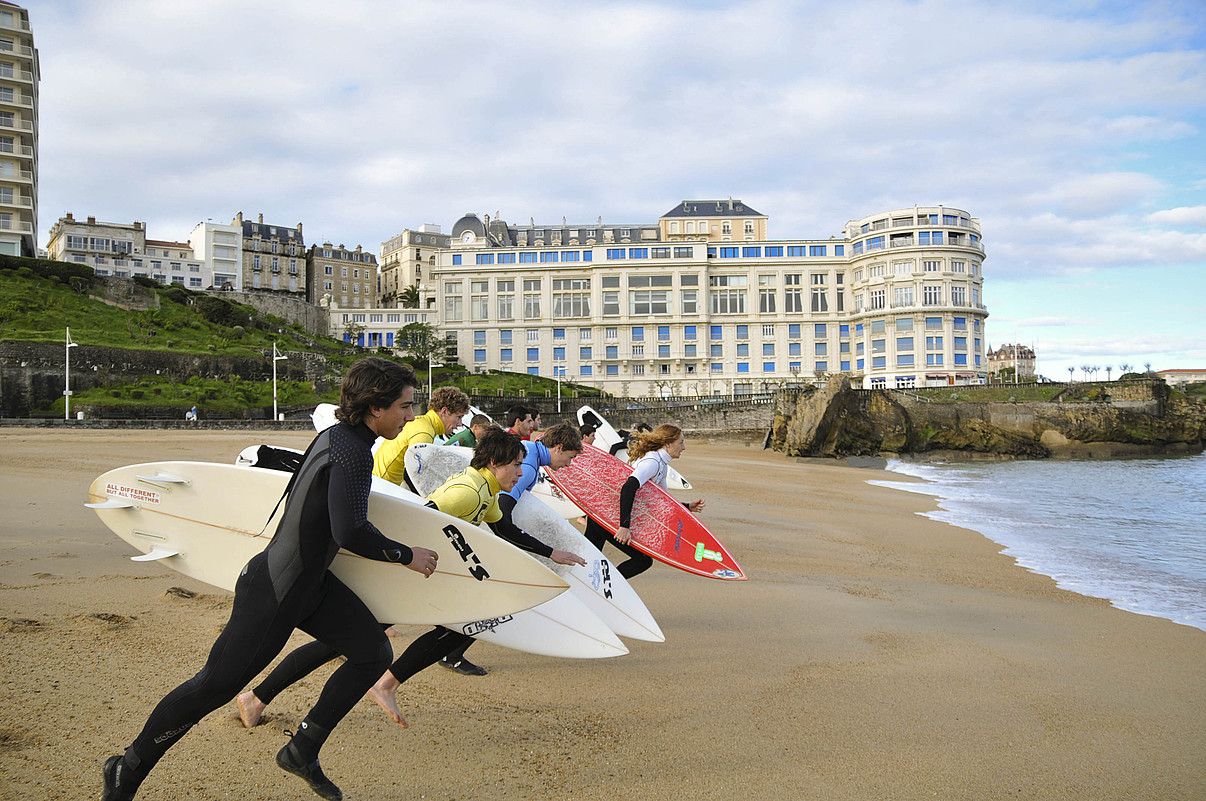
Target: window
<point>611,303</point>
<point>904,324</point>
<point>729,253</point>
<point>638,369</point>
<point>479,356</point>
<point>931,266</point>
<point>638,253</point>
<point>743,367</point>
<point>638,333</point>
<point>960,324</point>
<point>716,351</point>
<point>527,258</point>
<point>533,354</point>
<point>456,260</point>
<point>773,250</point>
<point>715,332</point>
<point>816,250</point>
<point>796,250</point>
<point>751,253</point>
<point>793,348</point>
<point>958,295</point>
<point>659,253</point>
<point>716,367</point>
<point>584,352</point>
<point>743,332</point>
<point>792,293</point>
<point>877,298</point>
<point>958,267</point>
<point>689,351</point>
<point>820,300</point>
<point>930,237</point>
<point>904,343</point>
<point>768,348</point>
<point>902,268</point>
<point>485,258</point>
<point>548,256</point>
<point>820,349</point>
<point>728,293</point>
<point>821,367</point>
<point>613,369</point>
<point>663,351</point>
<point>743,350</point>
<point>585,370</point>
<point>931,295</point>
<point>569,255</point>
<point>766,294</point>
<point>902,296</point>
<point>571,297</point>
<point>878,345</point>
<point>506,258</point>
<point>613,352</point>
<point>616,253</point>
<point>559,354</point>
<point>768,367</point>
<point>638,351</point>
<point>684,253</point>
<point>611,334</point>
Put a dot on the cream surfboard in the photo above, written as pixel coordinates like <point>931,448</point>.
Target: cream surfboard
<point>562,627</point>
<point>598,585</point>
<point>606,436</point>
<point>207,520</point>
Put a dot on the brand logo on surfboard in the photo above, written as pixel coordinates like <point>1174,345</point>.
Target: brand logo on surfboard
<point>678,536</point>
<point>600,577</point>
<point>702,553</point>
<point>724,572</point>
<point>133,493</point>
<point>481,626</point>
<point>463,548</point>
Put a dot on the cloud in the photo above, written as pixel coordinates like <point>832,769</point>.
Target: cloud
<point>1182,215</point>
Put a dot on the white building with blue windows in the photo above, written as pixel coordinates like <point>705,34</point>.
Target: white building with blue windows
<point>703,302</point>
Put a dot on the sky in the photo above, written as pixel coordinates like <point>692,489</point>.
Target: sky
<point>1073,131</point>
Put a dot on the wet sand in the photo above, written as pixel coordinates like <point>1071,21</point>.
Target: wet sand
<point>873,654</point>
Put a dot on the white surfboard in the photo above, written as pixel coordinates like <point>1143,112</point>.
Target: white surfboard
<point>562,627</point>
<point>606,436</point>
<point>473,412</point>
<point>598,585</point>
<point>207,520</point>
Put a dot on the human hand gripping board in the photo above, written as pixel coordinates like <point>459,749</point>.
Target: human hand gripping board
<point>661,526</point>
<point>206,520</point>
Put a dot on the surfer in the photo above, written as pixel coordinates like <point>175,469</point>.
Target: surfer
<point>587,432</point>
<point>555,450</point>
<point>468,436</point>
<point>519,421</point>
<point>472,496</point>
<point>650,454</point>
<point>289,586</point>
<point>444,412</point>
<point>639,428</point>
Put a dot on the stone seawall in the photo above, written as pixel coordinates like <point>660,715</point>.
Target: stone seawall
<point>835,420</point>
<point>288,307</point>
<point>32,373</point>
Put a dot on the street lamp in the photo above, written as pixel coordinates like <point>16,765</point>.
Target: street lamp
<point>557,373</point>
<point>67,376</point>
<point>276,357</point>
<point>431,364</point>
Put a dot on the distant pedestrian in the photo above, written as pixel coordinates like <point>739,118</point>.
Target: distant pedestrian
<point>191,414</point>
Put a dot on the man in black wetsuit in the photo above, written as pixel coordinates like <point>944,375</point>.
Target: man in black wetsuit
<point>289,586</point>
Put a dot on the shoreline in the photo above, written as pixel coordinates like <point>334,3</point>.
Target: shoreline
<point>874,653</point>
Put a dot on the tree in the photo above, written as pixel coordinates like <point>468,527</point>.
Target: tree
<point>1084,371</point>
<point>1071,370</point>
<point>422,342</point>
<point>352,330</point>
<point>1123,369</point>
<point>1109,369</point>
<point>410,297</point>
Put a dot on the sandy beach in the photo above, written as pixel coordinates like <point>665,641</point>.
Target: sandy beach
<point>874,654</point>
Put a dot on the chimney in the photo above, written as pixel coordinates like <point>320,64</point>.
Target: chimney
<point>70,216</point>
<point>238,220</point>
<point>299,228</point>
<point>261,218</point>
<point>92,221</point>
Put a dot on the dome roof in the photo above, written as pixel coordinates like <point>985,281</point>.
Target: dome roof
<point>469,222</point>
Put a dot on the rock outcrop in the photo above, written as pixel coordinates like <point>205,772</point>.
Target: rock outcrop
<point>836,420</point>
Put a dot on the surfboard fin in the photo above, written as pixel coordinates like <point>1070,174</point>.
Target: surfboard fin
<point>111,503</point>
<point>155,555</point>
<point>164,478</point>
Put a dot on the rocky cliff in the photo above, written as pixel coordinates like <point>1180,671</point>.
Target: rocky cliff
<point>836,420</point>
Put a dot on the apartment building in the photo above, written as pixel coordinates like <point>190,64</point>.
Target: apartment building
<point>718,308</point>
<point>407,260</point>
<point>273,256</point>
<point>376,327</point>
<point>339,277</point>
<point>19,77</point>
<point>122,250</point>
<point>220,247</point>
<point>1018,359</point>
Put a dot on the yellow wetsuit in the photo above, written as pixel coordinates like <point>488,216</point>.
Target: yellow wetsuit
<point>390,460</point>
<point>471,495</point>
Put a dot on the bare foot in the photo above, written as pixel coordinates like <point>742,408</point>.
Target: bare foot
<point>392,631</point>
<point>251,709</point>
<point>384,694</point>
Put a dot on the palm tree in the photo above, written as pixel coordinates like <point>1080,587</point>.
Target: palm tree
<point>1071,370</point>
<point>1084,370</point>
<point>1123,369</point>
<point>1109,369</point>
<point>410,297</point>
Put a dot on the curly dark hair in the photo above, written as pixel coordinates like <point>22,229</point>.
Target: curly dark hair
<point>496,447</point>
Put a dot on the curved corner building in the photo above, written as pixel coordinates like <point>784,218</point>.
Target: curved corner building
<point>702,302</point>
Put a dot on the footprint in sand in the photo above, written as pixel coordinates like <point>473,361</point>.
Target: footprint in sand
<point>16,625</point>
<point>180,592</point>
<point>115,620</point>
<point>45,576</point>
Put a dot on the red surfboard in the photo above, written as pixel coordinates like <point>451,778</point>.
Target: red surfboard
<point>661,526</point>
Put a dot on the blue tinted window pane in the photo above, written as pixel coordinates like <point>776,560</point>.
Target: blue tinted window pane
<point>533,371</point>
<point>793,330</point>
<point>743,349</point>
<point>569,255</point>
<point>616,253</point>
<point>456,258</point>
<point>663,351</point>
<point>768,348</point>
<point>588,255</point>
<point>584,352</point>
<point>505,354</point>
<point>751,252</point>
<point>613,351</point>
<point>716,367</point>
<point>743,332</point>
<point>638,333</point>
<point>960,359</point>
<point>795,250</point>
<point>585,370</point>
<point>774,250</point>
<point>717,351</point>
<point>527,258</point>
<point>638,253</point>
<point>688,332</point>
<point>663,333</point>
<point>485,258</point>
<point>768,367</point>
<point>613,369</point>
<point>729,253</point>
<point>506,258</point>
<point>844,330</point>
<point>558,354</point>
<point>715,332</point>
<point>839,250</point>
<point>533,354</point>
<point>743,367</point>
<point>793,348</point>
<point>816,250</point>
<point>879,361</point>
<point>479,355</point>
<point>548,256</point>
<point>479,337</point>
<point>820,349</point>
<point>819,330</point>
<point>504,336</point>
<point>845,367</point>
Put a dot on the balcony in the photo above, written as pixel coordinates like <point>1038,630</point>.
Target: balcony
<point>25,76</point>
<point>902,242</point>
<point>15,25</point>
<point>20,201</point>
<point>16,50</point>
<point>17,176</point>
<point>17,226</point>
<point>16,125</point>
<point>24,151</point>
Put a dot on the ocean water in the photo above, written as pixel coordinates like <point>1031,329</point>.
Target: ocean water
<point>1131,531</point>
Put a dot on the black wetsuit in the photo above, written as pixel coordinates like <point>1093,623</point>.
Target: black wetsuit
<point>288,586</point>
<point>424,652</point>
